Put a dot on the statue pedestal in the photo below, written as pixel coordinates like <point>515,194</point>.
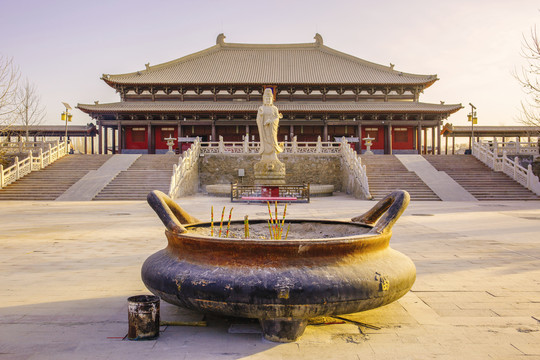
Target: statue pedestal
<point>269,172</point>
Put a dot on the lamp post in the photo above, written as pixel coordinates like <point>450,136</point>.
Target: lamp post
<point>474,120</point>
<point>66,116</point>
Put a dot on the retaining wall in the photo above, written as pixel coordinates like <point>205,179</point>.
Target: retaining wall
<point>300,168</point>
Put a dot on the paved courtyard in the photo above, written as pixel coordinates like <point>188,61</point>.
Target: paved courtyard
<point>67,269</point>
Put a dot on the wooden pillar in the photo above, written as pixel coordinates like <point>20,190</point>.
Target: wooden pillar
<point>214,138</point>
<point>85,144</point>
<point>433,140</point>
<point>388,139</point>
<point>120,138</point>
<point>92,144</point>
<point>425,141</point>
<point>100,140</point>
<point>106,140</point>
<point>149,137</point>
<point>419,139</point>
<point>438,139</point>
<point>113,132</point>
<point>247,131</point>
<point>359,133</point>
<point>453,143</point>
<point>325,132</point>
<point>291,131</point>
<point>180,134</point>
<point>446,145</point>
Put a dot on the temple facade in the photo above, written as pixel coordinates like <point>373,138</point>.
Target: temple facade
<point>320,92</point>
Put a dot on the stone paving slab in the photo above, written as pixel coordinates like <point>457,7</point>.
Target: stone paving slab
<point>68,267</point>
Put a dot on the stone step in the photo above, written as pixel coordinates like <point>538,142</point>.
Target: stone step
<point>147,173</point>
<point>55,179</point>
<point>386,174</point>
<point>478,179</point>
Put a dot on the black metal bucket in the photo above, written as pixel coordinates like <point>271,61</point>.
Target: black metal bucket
<point>143,317</point>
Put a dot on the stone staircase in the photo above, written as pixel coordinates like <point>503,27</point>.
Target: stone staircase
<point>147,173</point>
<point>478,179</point>
<point>386,174</point>
<point>55,179</point>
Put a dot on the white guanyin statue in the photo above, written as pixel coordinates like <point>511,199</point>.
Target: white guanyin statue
<point>268,117</point>
<point>269,170</point>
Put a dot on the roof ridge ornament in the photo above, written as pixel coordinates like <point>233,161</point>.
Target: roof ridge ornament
<point>220,39</point>
<point>318,39</point>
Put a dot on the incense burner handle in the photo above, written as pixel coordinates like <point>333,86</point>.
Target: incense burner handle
<point>386,212</point>
<point>170,213</point>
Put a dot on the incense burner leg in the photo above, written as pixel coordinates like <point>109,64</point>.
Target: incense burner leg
<point>283,329</point>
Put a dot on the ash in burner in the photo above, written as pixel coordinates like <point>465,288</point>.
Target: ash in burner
<point>298,230</point>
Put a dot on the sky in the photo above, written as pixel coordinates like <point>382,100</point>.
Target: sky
<point>473,46</point>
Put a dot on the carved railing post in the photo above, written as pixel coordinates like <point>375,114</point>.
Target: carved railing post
<point>17,167</point>
<point>318,148</point>
<point>221,145</point>
<point>246,144</point>
<point>294,145</point>
<point>1,176</point>
<point>41,158</point>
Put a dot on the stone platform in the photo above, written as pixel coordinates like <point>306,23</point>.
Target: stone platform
<point>68,268</point>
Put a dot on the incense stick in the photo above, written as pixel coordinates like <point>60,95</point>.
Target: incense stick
<point>229,223</point>
<point>221,222</point>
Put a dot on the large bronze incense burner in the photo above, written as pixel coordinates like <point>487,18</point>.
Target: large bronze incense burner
<point>282,283</point>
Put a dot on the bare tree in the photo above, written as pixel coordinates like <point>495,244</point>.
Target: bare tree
<point>529,78</point>
<point>9,79</point>
<point>29,111</point>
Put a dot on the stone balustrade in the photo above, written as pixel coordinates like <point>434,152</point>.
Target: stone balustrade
<point>31,163</point>
<point>489,155</point>
<point>355,179</point>
<point>20,147</point>
<point>250,147</point>
<point>184,180</point>
<point>513,147</point>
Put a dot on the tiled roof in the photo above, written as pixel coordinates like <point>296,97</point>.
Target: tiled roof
<point>311,63</point>
<point>51,129</point>
<point>48,128</point>
<point>308,107</point>
<point>492,130</point>
<point>496,128</point>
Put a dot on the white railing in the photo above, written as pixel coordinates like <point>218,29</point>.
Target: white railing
<point>513,147</point>
<point>250,147</point>
<point>24,146</point>
<point>184,179</point>
<point>490,157</point>
<point>357,175</point>
<point>32,163</point>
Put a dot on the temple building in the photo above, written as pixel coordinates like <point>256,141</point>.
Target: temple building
<point>320,92</point>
